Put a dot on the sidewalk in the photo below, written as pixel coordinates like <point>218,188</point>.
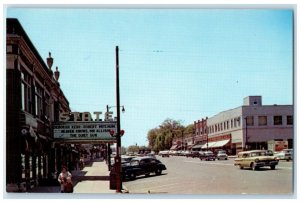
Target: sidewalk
<point>94,178</point>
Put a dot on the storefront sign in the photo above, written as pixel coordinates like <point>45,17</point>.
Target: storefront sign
<point>85,130</point>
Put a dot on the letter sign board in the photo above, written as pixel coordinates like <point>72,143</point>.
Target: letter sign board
<point>85,130</point>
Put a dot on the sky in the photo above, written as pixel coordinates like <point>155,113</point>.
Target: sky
<point>182,64</point>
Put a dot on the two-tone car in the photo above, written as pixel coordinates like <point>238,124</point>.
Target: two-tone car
<point>255,159</point>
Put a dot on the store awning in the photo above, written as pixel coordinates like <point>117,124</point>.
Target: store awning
<point>210,145</point>
<point>221,143</point>
<point>197,146</point>
<point>174,147</point>
<point>215,144</point>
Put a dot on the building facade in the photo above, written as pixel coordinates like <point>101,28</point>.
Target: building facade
<point>250,126</point>
<point>33,103</point>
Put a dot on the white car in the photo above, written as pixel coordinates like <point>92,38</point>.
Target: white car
<point>286,154</point>
<point>222,155</point>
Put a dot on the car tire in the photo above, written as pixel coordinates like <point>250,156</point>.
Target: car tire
<point>241,167</point>
<point>253,167</point>
<point>147,174</point>
<point>158,172</point>
<point>132,176</point>
<point>273,167</point>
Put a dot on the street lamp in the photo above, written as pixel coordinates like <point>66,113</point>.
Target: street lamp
<point>108,145</point>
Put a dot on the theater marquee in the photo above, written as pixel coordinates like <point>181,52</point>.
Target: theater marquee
<point>85,130</point>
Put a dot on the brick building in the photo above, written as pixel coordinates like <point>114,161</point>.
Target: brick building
<point>33,102</point>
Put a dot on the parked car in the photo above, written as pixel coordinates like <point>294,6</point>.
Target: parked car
<point>207,155</point>
<point>186,153</point>
<point>285,154</point>
<point>193,154</point>
<point>164,153</point>
<point>255,159</point>
<point>142,166</point>
<point>222,155</point>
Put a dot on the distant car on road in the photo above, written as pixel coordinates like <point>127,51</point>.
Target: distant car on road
<point>142,166</point>
<point>164,153</point>
<point>285,154</point>
<point>222,155</point>
<point>255,159</point>
<point>207,155</point>
<point>193,154</point>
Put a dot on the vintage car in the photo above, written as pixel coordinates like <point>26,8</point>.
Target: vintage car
<point>193,154</point>
<point>221,155</point>
<point>255,159</point>
<point>207,155</point>
<point>285,154</point>
<point>142,166</point>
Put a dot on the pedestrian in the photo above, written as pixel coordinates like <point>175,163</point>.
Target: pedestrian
<point>68,185</point>
<point>63,178</point>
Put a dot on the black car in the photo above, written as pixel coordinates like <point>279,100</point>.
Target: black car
<point>208,155</point>
<point>142,166</point>
<point>193,154</point>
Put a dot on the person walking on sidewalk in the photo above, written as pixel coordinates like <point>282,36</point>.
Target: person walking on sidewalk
<point>63,176</point>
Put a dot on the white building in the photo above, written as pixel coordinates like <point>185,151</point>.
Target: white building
<point>250,126</point>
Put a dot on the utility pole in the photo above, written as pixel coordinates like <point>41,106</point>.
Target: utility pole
<point>118,136</point>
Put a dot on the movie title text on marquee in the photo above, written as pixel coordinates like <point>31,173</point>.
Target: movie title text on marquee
<point>84,130</point>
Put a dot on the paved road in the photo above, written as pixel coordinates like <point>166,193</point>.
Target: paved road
<point>192,176</point>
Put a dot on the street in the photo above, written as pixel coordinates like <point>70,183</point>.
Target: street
<point>192,176</point>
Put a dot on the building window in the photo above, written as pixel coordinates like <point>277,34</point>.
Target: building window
<point>249,121</point>
<point>47,106</point>
<point>262,120</point>
<point>277,120</point>
<point>38,101</point>
<point>238,120</point>
<point>231,123</point>
<point>26,95</point>
<point>289,120</point>
<point>227,124</point>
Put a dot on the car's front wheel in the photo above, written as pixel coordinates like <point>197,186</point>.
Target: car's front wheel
<point>132,176</point>
<point>253,167</point>
<point>158,171</point>
<point>273,167</point>
<point>241,167</point>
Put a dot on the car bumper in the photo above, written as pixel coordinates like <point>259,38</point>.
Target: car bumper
<point>262,164</point>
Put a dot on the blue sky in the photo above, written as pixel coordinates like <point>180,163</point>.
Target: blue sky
<point>183,64</point>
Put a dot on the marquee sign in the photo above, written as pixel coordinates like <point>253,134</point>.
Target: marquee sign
<point>85,129</point>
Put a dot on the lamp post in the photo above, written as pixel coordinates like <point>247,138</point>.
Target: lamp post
<point>108,145</point>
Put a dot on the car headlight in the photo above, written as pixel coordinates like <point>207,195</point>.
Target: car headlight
<point>256,160</point>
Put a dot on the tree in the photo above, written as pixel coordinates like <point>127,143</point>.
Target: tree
<point>133,149</point>
<point>161,138</point>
